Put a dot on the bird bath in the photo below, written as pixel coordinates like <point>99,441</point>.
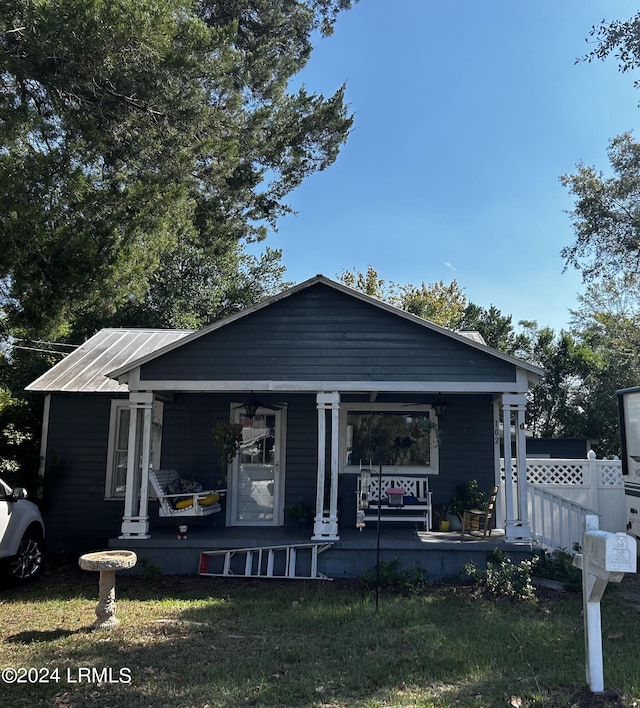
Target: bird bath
<point>106,563</point>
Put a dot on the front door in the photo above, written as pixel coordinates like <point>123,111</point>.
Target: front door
<point>256,488</point>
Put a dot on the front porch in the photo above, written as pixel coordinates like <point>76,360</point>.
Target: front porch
<point>440,555</point>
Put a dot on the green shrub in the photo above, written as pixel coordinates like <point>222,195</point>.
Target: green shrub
<point>150,570</point>
<point>558,565</point>
<point>503,577</point>
<point>396,579</point>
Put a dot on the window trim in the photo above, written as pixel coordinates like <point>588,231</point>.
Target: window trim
<point>352,407</point>
<point>117,406</point>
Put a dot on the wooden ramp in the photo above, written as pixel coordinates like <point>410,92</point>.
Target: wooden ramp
<point>295,562</point>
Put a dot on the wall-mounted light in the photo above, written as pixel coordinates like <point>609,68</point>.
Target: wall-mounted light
<point>250,410</point>
<point>440,407</point>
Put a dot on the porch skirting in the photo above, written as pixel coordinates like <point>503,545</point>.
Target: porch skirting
<point>440,555</point>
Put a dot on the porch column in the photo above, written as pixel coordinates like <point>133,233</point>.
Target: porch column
<point>135,522</point>
<point>326,527</point>
<point>517,522</point>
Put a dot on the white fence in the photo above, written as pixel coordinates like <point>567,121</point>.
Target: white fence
<point>560,492</point>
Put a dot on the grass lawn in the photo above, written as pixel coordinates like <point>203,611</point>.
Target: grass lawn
<point>189,641</point>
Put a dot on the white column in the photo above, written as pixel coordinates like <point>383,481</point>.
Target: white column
<point>326,527</point>
<point>335,461</point>
<point>135,521</point>
<point>517,525</point>
<point>322,444</point>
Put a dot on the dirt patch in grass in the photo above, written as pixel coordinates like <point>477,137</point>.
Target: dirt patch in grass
<point>585,699</point>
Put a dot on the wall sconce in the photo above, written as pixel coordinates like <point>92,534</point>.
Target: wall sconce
<point>250,410</point>
<point>440,407</point>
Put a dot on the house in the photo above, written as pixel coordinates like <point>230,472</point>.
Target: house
<point>306,376</point>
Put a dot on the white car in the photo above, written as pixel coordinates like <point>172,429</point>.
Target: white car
<point>21,535</point>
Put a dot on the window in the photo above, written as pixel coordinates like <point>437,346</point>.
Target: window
<point>395,436</point>
<point>118,450</point>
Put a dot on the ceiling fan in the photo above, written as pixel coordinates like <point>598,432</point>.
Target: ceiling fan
<point>439,405</point>
<point>253,403</point>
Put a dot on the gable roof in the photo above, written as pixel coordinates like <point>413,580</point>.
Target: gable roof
<point>534,373</point>
<point>86,369</point>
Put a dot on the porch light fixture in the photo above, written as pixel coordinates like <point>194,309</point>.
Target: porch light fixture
<point>250,410</point>
<point>440,407</point>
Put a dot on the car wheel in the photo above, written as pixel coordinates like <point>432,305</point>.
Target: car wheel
<point>28,563</point>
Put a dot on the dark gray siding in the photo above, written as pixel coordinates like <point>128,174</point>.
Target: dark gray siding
<point>77,517</point>
<point>323,334</point>
<point>466,452</point>
<point>187,441</point>
<point>466,446</point>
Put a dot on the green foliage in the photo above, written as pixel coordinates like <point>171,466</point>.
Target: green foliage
<point>227,437</point>
<point>558,565</point>
<point>467,495</point>
<point>552,410</point>
<point>138,131</point>
<point>607,323</point>
<point>496,329</point>
<point>300,511</point>
<point>150,570</point>
<point>438,302</point>
<point>19,443</point>
<point>604,219</point>
<point>502,577</point>
<point>395,579</point>
<point>370,284</point>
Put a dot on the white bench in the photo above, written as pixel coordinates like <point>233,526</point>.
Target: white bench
<point>415,502</point>
<point>200,503</point>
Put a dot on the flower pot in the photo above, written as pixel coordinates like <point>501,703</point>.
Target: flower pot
<point>444,526</point>
<point>455,523</point>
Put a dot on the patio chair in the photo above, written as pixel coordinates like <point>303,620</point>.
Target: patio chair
<point>475,520</point>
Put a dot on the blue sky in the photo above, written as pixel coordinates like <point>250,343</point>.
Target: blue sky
<point>466,114</point>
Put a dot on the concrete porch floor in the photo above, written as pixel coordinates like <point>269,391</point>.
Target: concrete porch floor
<point>440,555</point>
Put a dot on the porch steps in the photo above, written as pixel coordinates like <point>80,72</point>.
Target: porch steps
<point>294,561</point>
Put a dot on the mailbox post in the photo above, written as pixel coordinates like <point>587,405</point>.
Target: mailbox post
<point>605,558</point>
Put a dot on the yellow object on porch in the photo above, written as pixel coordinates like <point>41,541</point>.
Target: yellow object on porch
<point>480,519</point>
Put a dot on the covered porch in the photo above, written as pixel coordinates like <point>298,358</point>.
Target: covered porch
<point>440,555</point>
<point>336,458</point>
<point>319,380</point>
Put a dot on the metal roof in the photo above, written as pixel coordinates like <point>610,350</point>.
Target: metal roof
<point>85,369</point>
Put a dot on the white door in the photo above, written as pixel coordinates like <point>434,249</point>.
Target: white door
<point>257,488</point>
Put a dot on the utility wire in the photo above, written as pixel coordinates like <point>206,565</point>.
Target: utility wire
<point>45,351</point>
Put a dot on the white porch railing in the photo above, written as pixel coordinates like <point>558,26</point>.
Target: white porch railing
<point>560,492</point>
<point>555,522</point>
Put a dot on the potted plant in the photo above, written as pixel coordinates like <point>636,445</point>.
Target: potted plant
<point>301,513</point>
<point>466,496</point>
<point>440,521</point>
<point>227,437</point>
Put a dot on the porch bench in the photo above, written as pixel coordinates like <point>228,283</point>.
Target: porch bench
<point>196,502</point>
<point>416,500</point>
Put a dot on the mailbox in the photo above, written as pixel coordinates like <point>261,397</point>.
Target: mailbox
<point>605,558</point>
<point>609,552</point>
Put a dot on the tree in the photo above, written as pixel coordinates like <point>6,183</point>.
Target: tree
<point>138,129</point>
<point>496,329</point>
<point>607,322</point>
<point>190,290</point>
<point>439,303</point>
<point>370,284</point>
<point>606,217</point>
<point>553,410</point>
<point>620,38</point>
<point>446,305</point>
